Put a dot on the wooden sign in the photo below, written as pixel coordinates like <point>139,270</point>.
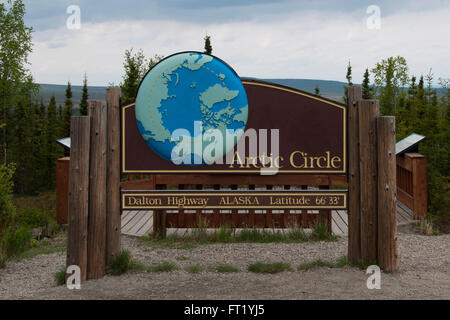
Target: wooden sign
<point>202,199</point>
<point>311,130</point>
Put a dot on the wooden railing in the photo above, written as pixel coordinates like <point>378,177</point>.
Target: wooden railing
<point>412,183</point>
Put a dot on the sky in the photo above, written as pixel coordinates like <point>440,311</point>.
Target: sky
<point>262,39</point>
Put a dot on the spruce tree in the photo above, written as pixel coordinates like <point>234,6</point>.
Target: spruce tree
<point>15,77</point>
<point>349,81</point>
<point>67,113</point>
<point>135,67</point>
<point>51,146</point>
<point>317,91</point>
<point>208,46</point>
<point>84,98</point>
<point>366,90</point>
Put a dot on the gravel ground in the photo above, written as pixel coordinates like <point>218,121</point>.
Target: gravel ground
<point>424,274</point>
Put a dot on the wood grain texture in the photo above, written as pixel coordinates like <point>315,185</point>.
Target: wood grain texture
<point>387,223</point>
<point>79,194</point>
<point>419,184</point>
<point>62,190</point>
<point>368,113</point>
<point>354,232</point>
<point>113,175</point>
<point>97,191</point>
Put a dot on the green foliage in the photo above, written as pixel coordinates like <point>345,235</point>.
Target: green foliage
<point>135,67</point>
<point>60,277</point>
<point>272,268</point>
<point>15,77</point>
<point>349,81</point>
<point>317,91</point>
<point>121,263</point>
<point>208,46</point>
<point>84,98</point>
<point>341,262</point>
<point>163,267</point>
<point>16,240</point>
<point>196,268</point>
<point>390,75</point>
<point>226,268</point>
<point>3,260</point>
<point>321,232</point>
<point>366,90</point>
<point>33,217</point>
<point>67,114</point>
<point>7,209</point>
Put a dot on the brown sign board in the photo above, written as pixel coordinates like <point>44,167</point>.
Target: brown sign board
<point>312,135</point>
<point>203,199</point>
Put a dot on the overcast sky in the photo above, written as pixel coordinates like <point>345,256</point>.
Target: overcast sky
<point>264,39</point>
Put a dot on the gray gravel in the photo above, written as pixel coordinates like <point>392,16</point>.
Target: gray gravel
<point>424,274</point>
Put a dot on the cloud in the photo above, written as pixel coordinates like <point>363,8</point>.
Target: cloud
<point>289,44</point>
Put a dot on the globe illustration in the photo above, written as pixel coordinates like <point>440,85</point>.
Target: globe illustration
<point>191,108</point>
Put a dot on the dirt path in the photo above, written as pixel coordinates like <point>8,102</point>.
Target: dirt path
<point>424,263</point>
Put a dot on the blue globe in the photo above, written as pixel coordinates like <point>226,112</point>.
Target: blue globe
<point>182,104</point>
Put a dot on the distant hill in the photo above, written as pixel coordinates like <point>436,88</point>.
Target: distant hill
<point>329,89</point>
<point>47,90</point>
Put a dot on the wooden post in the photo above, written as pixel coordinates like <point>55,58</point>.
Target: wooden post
<point>79,193</point>
<point>387,224</point>
<point>161,228</point>
<point>354,232</point>
<point>97,190</point>
<point>113,222</point>
<point>368,113</point>
<point>325,215</point>
<point>419,184</point>
<point>304,213</point>
<point>62,190</point>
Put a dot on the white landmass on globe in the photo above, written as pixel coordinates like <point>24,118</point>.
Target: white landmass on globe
<point>151,117</point>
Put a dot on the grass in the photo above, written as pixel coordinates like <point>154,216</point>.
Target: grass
<point>121,264</point>
<point>226,268</point>
<point>45,246</point>
<point>200,236</point>
<point>271,268</point>
<point>426,227</point>
<point>196,268</point>
<point>341,262</point>
<point>162,267</point>
<point>60,277</point>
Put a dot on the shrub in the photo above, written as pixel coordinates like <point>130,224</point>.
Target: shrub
<point>60,277</point>
<point>320,232</point>
<point>225,268</point>
<point>196,268</point>
<point>269,267</point>
<point>15,241</point>
<point>34,217</point>
<point>162,267</point>
<point>121,264</point>
<point>3,260</point>
<point>7,209</point>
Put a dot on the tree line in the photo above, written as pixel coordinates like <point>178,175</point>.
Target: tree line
<point>417,108</point>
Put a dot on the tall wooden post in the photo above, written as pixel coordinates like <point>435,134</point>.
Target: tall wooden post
<point>368,111</point>
<point>97,190</point>
<point>387,224</point>
<point>79,194</point>
<point>419,170</point>
<point>113,177</point>
<point>354,234</point>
